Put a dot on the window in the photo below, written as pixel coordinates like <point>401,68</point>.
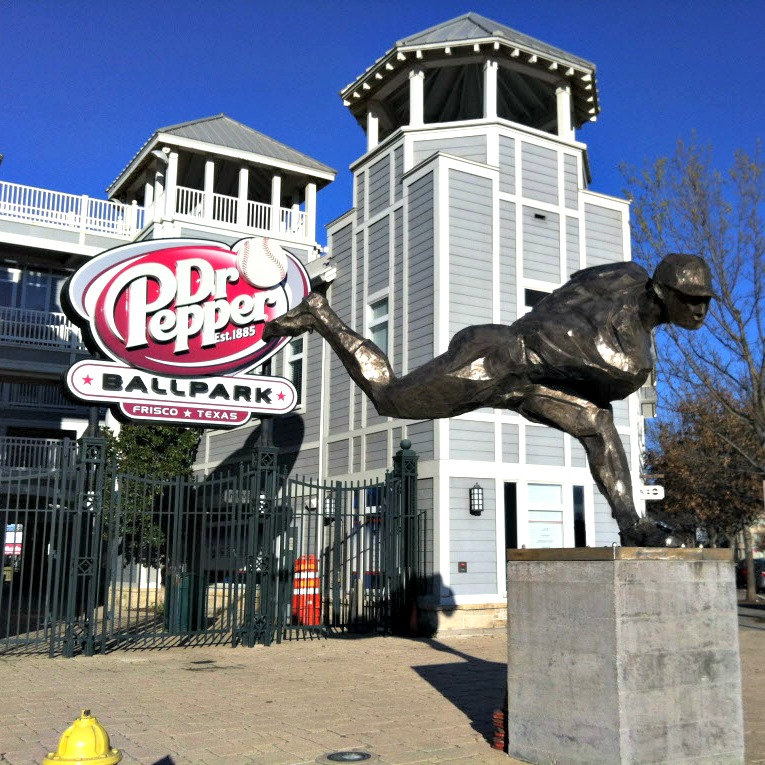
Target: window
<point>9,279</point>
<point>295,366</point>
<point>532,297</point>
<point>378,323</point>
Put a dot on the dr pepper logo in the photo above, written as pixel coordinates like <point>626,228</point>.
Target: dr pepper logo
<point>187,307</point>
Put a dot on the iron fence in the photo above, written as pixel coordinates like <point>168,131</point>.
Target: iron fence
<point>96,559</point>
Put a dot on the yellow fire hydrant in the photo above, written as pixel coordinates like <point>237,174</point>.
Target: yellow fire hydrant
<point>84,742</point>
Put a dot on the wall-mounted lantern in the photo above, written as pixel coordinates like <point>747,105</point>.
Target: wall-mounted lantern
<point>476,499</point>
<point>329,509</point>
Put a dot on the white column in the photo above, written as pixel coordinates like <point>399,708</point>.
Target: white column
<point>159,195</point>
<point>490,69</point>
<point>241,205</point>
<point>171,185</point>
<point>563,103</point>
<point>207,198</point>
<point>373,128</point>
<point>417,97</point>
<point>310,212</point>
<point>276,202</point>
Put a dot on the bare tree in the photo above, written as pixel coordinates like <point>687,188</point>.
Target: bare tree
<point>683,203</point>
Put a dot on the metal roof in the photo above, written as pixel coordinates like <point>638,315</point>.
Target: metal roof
<point>472,26</point>
<point>473,35</point>
<point>226,133</point>
<point>221,130</point>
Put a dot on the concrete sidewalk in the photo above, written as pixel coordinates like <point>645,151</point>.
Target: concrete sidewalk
<point>404,701</point>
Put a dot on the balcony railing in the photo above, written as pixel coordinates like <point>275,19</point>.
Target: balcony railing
<point>39,328</point>
<point>46,453</point>
<point>190,203</point>
<point>38,396</point>
<point>69,211</point>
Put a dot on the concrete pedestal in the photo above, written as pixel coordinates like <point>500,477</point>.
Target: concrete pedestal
<point>623,655</point>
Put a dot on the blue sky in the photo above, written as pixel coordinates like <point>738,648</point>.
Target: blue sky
<point>84,84</point>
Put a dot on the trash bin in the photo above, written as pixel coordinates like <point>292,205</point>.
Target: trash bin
<point>183,602</point>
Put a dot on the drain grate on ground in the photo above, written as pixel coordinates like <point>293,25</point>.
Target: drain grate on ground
<point>351,755</point>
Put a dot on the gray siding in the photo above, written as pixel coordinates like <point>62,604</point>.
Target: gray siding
<point>570,182</point>
<point>468,147</point>
<point>379,186</point>
<point>379,255</point>
<point>360,196</point>
<point>357,397</point>
<point>312,391</point>
<point>539,173</point>
<point>356,454</point>
<point>472,539</point>
<point>395,352</point>
<point>621,412</point>
<point>508,302</point>
<point>420,272</point>
<point>510,450</point>
<point>603,235</point>
<point>506,164</point>
<point>578,455</point>
<point>426,504</point>
<point>471,440</point>
<point>338,457</point>
<point>396,434</point>
<point>606,530</point>
<point>398,172</point>
<point>470,250</point>
<point>377,457</point>
<point>307,463</point>
<point>544,446</point>
<point>421,434</point>
<point>339,382</point>
<point>541,245</point>
<point>226,443</point>
<point>572,246</point>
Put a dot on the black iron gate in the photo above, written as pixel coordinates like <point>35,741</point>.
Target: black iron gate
<point>96,559</point>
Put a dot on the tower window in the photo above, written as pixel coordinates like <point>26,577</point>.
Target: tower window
<point>378,323</point>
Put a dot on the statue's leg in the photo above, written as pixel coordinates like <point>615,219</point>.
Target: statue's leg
<point>448,385</point>
<point>593,426</point>
<point>367,365</point>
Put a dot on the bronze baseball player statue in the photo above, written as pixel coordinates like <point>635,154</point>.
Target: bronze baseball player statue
<point>579,348</point>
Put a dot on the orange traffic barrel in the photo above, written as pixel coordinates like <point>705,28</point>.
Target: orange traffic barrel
<point>306,593</point>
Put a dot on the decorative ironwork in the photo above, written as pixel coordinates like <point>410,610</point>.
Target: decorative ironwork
<point>245,555</point>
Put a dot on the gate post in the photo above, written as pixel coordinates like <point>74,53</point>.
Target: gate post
<point>81,586</point>
<point>404,595</point>
<point>260,614</point>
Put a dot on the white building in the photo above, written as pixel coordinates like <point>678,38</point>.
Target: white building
<point>471,200</point>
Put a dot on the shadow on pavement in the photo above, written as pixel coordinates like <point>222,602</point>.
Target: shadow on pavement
<point>475,686</point>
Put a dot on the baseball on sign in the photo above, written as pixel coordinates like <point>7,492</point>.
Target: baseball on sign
<point>261,261</point>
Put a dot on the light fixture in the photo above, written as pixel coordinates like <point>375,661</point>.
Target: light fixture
<point>476,499</point>
<point>162,154</point>
<point>329,506</point>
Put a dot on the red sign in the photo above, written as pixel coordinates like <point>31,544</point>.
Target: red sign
<point>12,548</point>
<point>177,318</point>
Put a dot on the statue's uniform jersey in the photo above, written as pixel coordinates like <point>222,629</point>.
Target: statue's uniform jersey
<point>587,336</point>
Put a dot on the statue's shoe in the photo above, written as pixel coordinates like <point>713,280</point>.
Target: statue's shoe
<point>297,321</point>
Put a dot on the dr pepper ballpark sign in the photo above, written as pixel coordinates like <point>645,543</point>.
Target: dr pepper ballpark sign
<point>180,323</point>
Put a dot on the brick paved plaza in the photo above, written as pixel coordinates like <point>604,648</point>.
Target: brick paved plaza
<point>405,701</point>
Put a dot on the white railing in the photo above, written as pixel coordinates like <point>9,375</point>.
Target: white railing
<point>224,208</point>
<point>259,215</point>
<point>36,452</point>
<point>35,396</point>
<point>69,211</point>
<point>190,203</point>
<point>292,221</point>
<point>38,328</point>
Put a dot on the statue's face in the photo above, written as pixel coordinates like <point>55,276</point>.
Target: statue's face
<point>686,311</point>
